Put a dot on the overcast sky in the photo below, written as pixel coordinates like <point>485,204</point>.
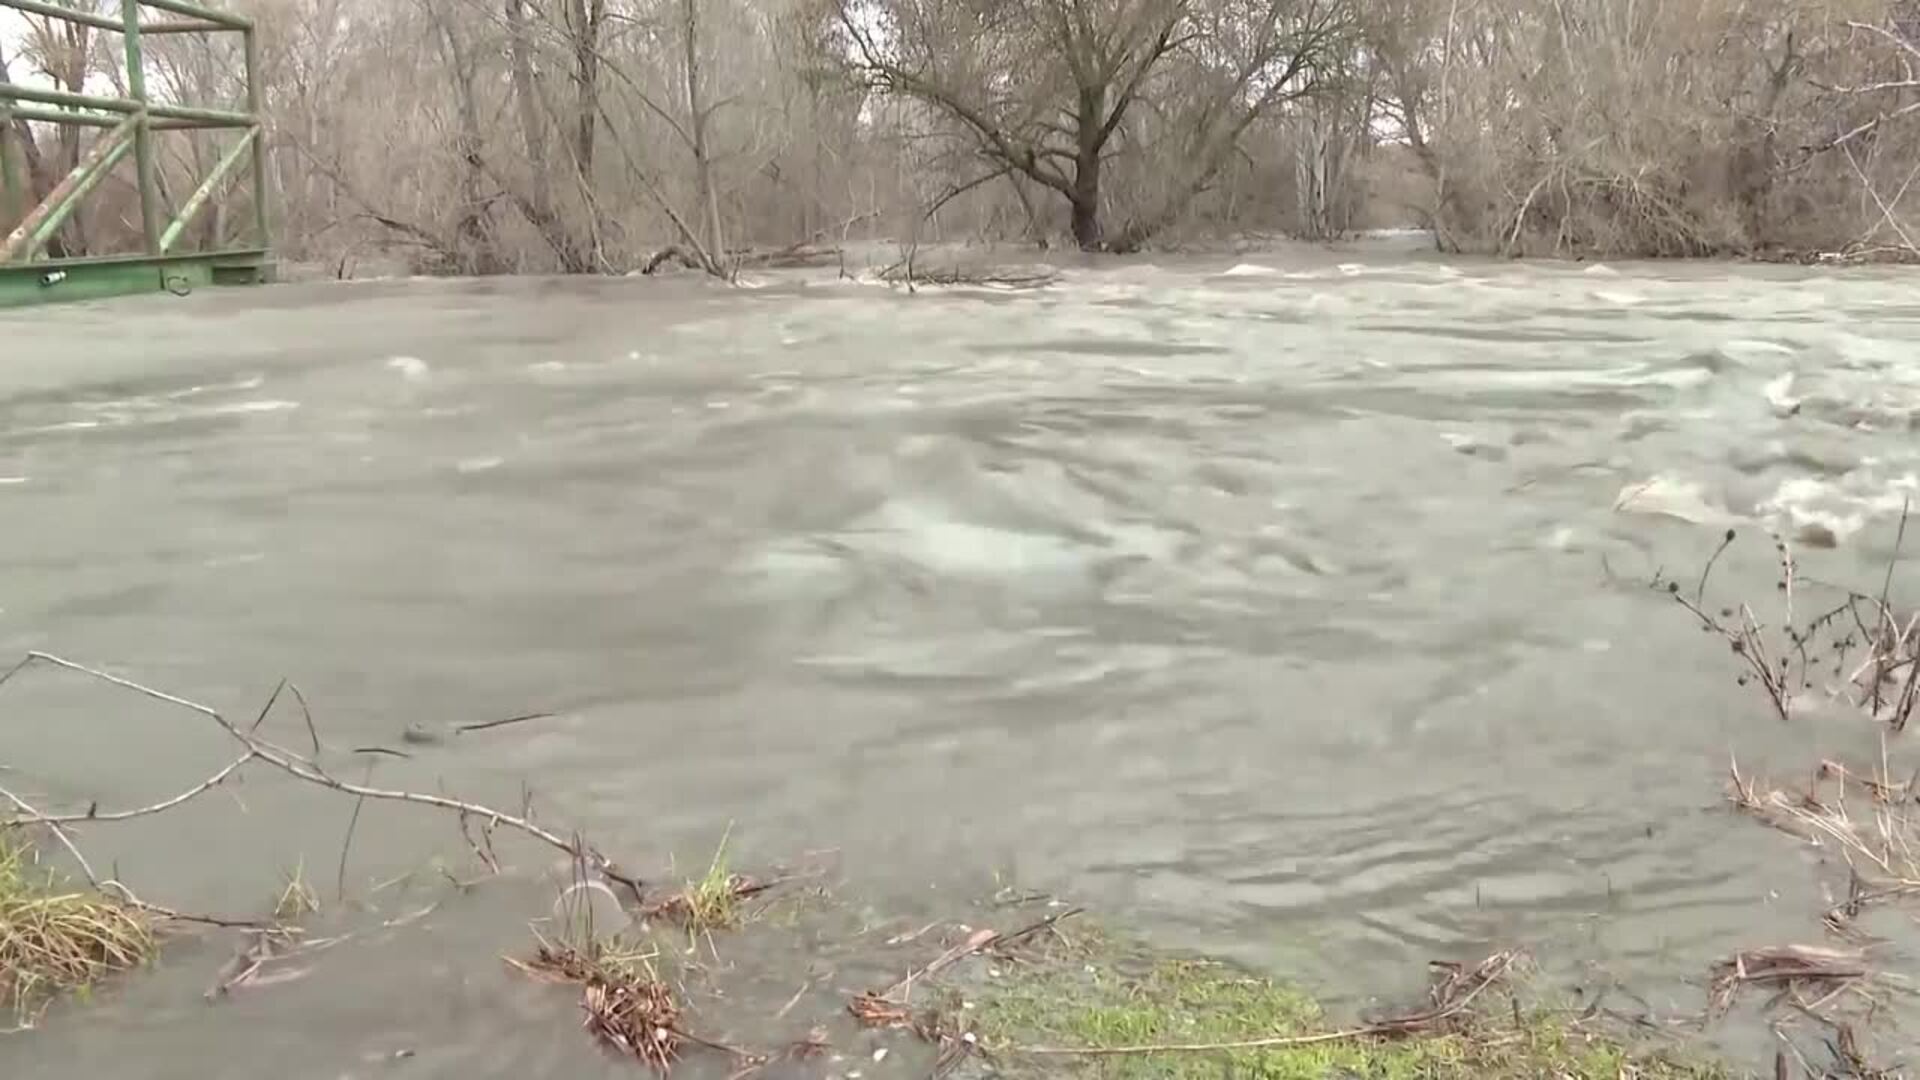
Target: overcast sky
<point>13,29</point>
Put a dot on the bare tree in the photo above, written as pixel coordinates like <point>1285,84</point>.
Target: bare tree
<point>595,136</point>
<point>39,178</point>
<point>698,114</point>
<point>1045,88</point>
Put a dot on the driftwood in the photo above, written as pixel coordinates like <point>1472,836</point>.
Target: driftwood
<point>673,253</point>
<point>803,255</point>
<point>794,256</point>
<point>1789,968</point>
<point>907,272</point>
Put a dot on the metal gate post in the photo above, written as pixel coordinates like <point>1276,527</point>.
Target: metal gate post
<point>262,212</point>
<point>134,123</point>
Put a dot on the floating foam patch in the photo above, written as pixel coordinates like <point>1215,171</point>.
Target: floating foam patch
<point>1666,495</point>
<point>411,368</point>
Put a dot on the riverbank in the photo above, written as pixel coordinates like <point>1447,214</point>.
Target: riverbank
<point>671,984</point>
<point>876,256</point>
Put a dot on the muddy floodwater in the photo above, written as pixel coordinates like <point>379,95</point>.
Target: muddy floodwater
<point>1291,607</point>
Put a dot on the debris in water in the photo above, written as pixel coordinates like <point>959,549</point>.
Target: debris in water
<point>1792,968</point>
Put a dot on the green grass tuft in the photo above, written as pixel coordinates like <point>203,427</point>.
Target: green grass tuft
<point>297,899</point>
<point>713,902</point>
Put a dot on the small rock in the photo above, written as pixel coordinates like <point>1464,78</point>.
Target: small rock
<point>1816,535</point>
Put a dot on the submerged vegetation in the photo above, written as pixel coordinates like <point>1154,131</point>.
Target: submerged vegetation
<point>58,939</point>
<point>1093,1007</point>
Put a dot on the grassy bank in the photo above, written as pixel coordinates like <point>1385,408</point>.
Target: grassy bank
<point>1089,1005</point>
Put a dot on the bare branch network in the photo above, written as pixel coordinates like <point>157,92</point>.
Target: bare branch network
<point>610,136</point>
<point>477,822</point>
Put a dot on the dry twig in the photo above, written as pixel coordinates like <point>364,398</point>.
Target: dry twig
<point>303,768</point>
<point>1792,968</point>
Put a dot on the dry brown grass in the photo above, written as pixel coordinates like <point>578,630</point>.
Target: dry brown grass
<point>628,1008</point>
<point>55,939</point>
<point>1793,970</point>
<point>1869,821</point>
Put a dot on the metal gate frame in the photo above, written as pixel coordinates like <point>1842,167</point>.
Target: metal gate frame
<point>129,124</point>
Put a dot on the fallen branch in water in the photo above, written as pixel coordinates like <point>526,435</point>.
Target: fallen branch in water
<point>907,272</point>
<point>488,725</point>
<point>887,1007</point>
<point>296,765</point>
<point>1791,968</point>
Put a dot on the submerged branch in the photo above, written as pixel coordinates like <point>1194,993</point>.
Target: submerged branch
<point>300,768</point>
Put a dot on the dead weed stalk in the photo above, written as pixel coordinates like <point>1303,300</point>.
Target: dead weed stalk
<point>1872,822</point>
<point>1860,649</point>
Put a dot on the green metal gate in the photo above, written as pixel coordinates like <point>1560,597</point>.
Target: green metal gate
<point>128,125</point>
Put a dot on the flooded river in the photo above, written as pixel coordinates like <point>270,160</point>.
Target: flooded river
<point>1293,609</point>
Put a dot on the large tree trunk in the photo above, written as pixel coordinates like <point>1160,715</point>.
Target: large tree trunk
<point>536,200</point>
<point>1752,168</point>
<point>1085,202</point>
<point>473,235</point>
<point>1089,139</point>
<point>585,18</point>
<point>697,113</point>
<point>526,100</point>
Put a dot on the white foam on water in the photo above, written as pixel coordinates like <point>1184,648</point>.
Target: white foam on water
<point>1758,347</point>
<point>1601,270</point>
<point>411,368</point>
<point>1250,270</point>
<point>1842,507</point>
<point>1619,297</point>
<point>253,382</point>
<point>1686,378</point>
<point>242,559</point>
<point>928,535</point>
<point>547,366</point>
<point>242,407</point>
<point>9,481</point>
<point>1779,395</point>
<point>1667,495</point>
<point>478,464</point>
